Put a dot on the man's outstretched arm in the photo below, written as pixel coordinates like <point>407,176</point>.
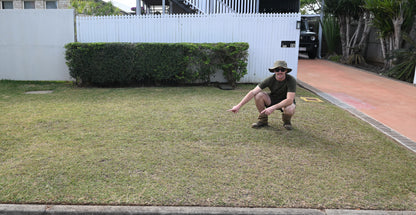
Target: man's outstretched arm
<point>250,95</point>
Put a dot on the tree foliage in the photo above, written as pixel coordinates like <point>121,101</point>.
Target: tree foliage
<point>330,30</point>
<point>94,8</point>
<point>391,18</point>
<point>310,5</point>
<point>349,13</point>
<point>404,61</point>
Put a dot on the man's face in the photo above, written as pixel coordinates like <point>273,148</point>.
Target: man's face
<point>280,73</point>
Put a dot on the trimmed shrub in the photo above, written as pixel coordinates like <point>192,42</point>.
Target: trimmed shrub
<point>102,64</point>
<point>121,64</point>
<point>232,59</point>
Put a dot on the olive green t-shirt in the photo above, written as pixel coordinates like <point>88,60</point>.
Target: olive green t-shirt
<point>279,89</point>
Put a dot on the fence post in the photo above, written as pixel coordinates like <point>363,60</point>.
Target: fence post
<point>138,7</point>
<point>414,78</point>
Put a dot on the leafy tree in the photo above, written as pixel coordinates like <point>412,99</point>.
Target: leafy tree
<point>391,17</point>
<point>351,12</point>
<point>310,5</point>
<point>94,8</point>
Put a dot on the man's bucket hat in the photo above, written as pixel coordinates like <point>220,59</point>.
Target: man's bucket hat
<point>280,64</point>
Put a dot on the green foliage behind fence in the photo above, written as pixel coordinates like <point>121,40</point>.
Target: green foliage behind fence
<point>120,64</point>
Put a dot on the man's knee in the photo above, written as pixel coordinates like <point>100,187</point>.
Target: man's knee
<point>259,96</point>
<point>262,96</point>
<point>289,110</point>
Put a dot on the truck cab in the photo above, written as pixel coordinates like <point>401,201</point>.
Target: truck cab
<point>309,41</point>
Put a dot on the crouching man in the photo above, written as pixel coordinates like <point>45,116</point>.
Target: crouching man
<point>282,88</point>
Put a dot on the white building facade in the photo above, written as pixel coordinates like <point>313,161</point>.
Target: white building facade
<point>34,4</point>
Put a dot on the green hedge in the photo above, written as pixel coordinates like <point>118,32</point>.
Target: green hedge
<point>120,64</point>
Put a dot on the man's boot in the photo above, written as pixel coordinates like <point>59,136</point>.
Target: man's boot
<point>286,122</point>
<point>263,121</point>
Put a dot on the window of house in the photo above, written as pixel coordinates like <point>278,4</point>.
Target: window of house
<point>51,5</point>
<point>29,4</point>
<point>7,4</point>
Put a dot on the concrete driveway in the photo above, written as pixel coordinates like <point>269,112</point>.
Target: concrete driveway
<point>389,102</point>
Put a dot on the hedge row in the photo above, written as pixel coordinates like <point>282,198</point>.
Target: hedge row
<point>118,64</point>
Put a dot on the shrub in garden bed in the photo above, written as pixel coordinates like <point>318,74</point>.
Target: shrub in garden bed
<point>124,64</point>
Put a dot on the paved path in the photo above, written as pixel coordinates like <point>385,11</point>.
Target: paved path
<point>388,104</point>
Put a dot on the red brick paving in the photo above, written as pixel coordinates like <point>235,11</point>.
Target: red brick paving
<point>391,102</point>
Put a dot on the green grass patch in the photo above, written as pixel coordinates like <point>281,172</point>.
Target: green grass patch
<point>179,146</point>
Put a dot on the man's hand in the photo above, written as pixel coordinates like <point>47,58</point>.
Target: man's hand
<point>235,109</point>
<point>268,111</point>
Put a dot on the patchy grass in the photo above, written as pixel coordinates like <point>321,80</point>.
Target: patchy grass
<point>179,146</point>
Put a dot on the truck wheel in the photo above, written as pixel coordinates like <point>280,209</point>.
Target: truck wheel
<point>312,54</point>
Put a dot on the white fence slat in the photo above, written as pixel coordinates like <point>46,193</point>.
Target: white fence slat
<point>263,32</point>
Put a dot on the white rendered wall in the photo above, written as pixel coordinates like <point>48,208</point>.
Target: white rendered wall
<point>32,44</point>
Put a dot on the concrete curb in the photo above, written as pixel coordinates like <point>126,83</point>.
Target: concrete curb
<point>368,212</point>
<point>13,209</point>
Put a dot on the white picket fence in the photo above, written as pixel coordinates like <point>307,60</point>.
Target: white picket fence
<point>265,34</point>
